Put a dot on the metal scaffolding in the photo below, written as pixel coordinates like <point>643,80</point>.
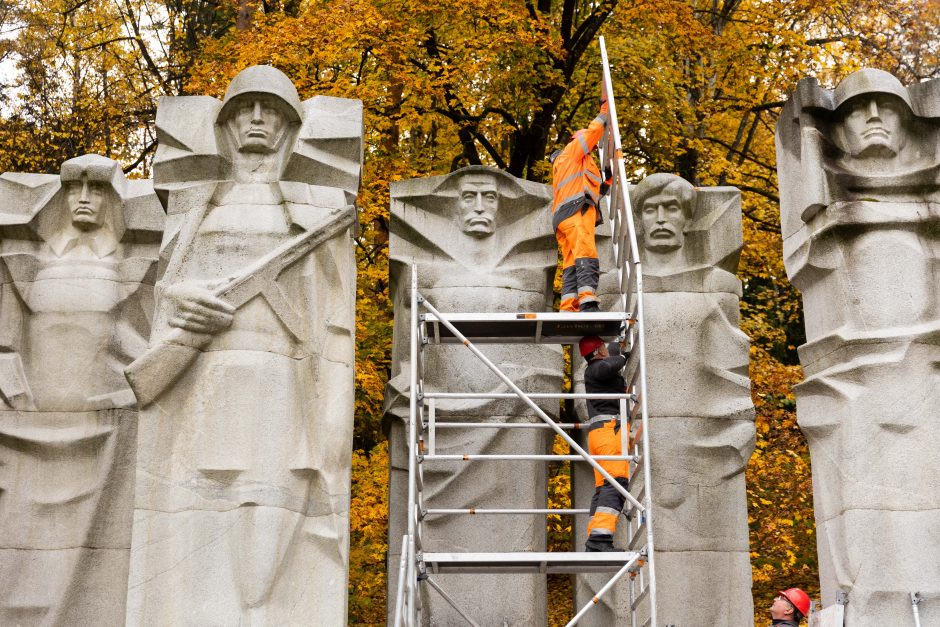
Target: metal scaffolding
<point>432,328</point>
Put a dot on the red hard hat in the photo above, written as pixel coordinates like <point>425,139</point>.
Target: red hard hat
<point>589,344</point>
<point>798,598</point>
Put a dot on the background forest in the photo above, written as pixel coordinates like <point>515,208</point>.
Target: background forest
<point>699,84</point>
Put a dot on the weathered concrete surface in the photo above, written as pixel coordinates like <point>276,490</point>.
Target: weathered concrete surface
<point>78,258</point>
<point>860,208</point>
<point>243,472</point>
<point>483,243</point>
<point>700,411</point>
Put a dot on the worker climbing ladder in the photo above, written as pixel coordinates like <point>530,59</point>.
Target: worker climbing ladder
<point>429,328</point>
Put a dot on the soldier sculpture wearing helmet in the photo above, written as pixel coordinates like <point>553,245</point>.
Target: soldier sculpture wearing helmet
<point>260,112</point>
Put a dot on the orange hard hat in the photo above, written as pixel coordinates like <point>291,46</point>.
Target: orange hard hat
<point>798,598</point>
<point>589,344</point>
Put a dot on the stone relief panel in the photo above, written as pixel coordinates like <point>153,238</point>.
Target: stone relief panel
<point>78,259</point>
<point>859,176</point>
<point>700,410</point>
<point>482,242</point>
<point>242,497</point>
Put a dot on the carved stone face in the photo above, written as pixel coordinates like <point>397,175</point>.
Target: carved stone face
<point>258,123</point>
<point>86,202</point>
<point>664,219</point>
<point>873,125</point>
<point>477,205</point>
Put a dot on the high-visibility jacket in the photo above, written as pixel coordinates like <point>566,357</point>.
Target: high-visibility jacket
<point>576,180</point>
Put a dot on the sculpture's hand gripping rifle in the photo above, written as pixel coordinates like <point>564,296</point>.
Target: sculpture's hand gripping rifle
<point>157,369</point>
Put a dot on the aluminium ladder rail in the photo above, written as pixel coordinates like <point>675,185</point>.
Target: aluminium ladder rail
<point>434,328</point>
<point>627,261</point>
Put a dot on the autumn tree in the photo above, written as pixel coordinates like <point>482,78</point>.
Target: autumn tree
<point>86,76</point>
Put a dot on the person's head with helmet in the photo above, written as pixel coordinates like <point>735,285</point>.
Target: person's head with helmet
<point>790,606</point>
<point>261,111</point>
<point>873,113</point>
<point>89,208</point>
<point>94,187</point>
<point>592,347</point>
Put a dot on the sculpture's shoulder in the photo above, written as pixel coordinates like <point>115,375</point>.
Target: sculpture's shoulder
<point>23,195</point>
<point>703,280</point>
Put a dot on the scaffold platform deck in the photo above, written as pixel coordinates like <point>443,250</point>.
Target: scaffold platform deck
<point>525,328</point>
<point>542,563</point>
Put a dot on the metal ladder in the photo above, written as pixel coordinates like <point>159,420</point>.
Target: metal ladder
<point>433,328</point>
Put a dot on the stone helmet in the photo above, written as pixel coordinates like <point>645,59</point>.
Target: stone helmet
<point>263,80</point>
<point>95,168</point>
<point>870,81</point>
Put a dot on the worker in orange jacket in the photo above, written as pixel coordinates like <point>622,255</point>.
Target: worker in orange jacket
<point>577,189</point>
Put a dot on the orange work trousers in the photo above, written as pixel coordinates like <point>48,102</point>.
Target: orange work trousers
<point>607,502</point>
<point>580,267</point>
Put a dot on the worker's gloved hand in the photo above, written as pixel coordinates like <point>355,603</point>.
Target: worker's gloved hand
<point>608,178</point>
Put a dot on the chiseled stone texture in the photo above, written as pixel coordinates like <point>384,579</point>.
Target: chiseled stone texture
<point>242,497</point>
<point>700,410</point>
<point>78,257</point>
<point>860,208</point>
<point>482,242</point>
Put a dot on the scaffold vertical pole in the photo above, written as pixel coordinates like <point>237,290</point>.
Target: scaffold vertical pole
<point>412,576</point>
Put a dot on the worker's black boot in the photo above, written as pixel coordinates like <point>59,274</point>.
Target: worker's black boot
<point>600,544</point>
<point>591,307</point>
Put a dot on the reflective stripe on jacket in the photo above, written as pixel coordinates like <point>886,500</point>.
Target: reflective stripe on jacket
<point>576,180</point>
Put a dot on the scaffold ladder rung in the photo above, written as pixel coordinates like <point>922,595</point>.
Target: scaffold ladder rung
<point>640,598</point>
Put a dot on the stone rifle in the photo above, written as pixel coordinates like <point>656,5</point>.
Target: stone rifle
<point>154,371</point>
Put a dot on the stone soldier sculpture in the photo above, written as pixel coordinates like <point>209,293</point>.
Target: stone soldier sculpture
<point>859,175</point>
<point>78,257</point>
<point>700,411</point>
<point>242,499</point>
<point>482,243</point>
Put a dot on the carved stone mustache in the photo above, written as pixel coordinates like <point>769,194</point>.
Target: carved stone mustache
<point>662,230</point>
